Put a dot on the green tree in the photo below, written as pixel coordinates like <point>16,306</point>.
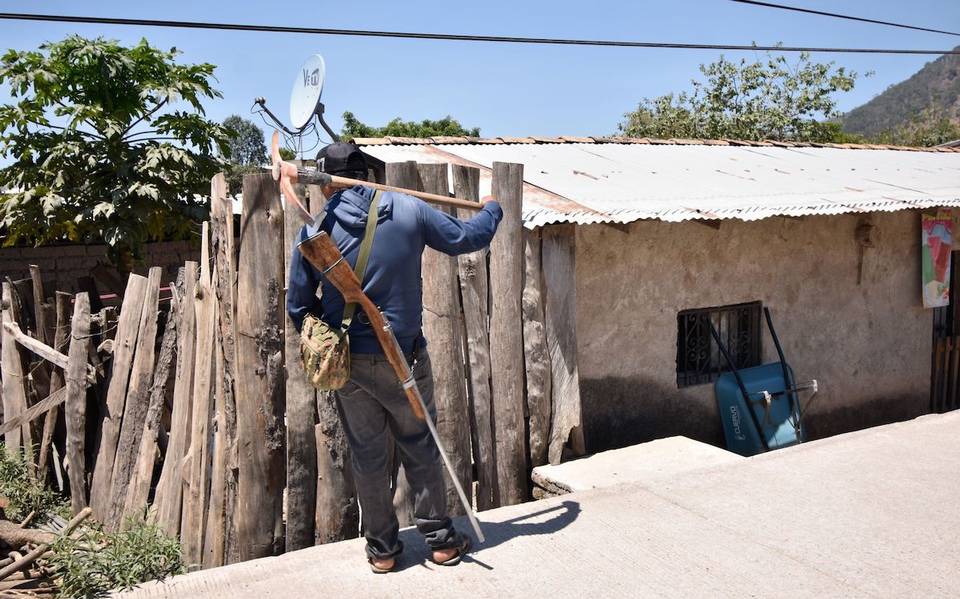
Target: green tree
<point>109,143</point>
<point>932,126</point>
<point>245,145</point>
<point>447,126</point>
<point>762,99</point>
<point>246,151</point>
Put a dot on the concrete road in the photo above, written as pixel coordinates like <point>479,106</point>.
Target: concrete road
<point>869,514</point>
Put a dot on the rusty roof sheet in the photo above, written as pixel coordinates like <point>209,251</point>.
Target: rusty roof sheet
<point>620,180</point>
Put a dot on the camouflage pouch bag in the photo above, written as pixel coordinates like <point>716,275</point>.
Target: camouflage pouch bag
<point>325,353</point>
<point>325,350</point>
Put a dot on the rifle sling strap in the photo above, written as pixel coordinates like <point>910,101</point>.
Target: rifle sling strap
<point>365,246</point>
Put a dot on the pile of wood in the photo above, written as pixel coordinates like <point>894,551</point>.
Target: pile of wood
<point>23,567</point>
<point>188,406</point>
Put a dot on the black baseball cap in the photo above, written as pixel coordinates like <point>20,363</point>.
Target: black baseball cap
<point>342,158</point>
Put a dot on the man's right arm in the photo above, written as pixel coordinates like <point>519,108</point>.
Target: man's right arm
<point>302,286</point>
<point>452,236</point>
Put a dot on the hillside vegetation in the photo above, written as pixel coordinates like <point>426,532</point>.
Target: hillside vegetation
<point>931,95</point>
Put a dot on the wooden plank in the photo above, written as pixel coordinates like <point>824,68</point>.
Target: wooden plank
<point>560,310</point>
<point>168,498</point>
<point>40,317</point>
<point>124,345</point>
<point>301,403</point>
<point>402,174</point>
<point>441,326</point>
<point>38,409</point>
<point>138,490</point>
<point>61,339</point>
<point>506,337</point>
<point>260,371</point>
<point>14,385</point>
<point>473,293</point>
<point>75,411</point>
<point>337,512</point>
<point>196,493</point>
<point>219,542</point>
<point>43,350</point>
<point>536,357</point>
<point>135,406</point>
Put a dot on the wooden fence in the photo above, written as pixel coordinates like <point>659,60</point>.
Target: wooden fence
<point>188,406</point>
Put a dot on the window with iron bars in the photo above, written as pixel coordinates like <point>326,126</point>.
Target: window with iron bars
<point>699,360</point>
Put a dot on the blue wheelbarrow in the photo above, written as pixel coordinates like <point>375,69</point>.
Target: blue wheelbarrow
<point>760,406</point>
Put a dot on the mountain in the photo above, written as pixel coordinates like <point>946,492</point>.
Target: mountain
<point>934,88</point>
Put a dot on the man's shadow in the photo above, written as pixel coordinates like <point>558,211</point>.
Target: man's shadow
<point>496,533</point>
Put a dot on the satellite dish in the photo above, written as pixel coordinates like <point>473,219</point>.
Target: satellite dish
<point>307,87</point>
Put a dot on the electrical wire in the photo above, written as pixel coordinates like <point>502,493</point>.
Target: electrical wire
<point>450,36</point>
<point>847,17</point>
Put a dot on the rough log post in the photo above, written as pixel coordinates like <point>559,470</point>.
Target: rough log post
<point>61,338</point>
<point>473,292</point>
<point>223,474</point>
<point>196,493</point>
<point>337,512</point>
<point>168,498</point>
<point>536,357</point>
<point>138,396</point>
<point>506,338</point>
<point>301,417</point>
<point>124,346</point>
<point>139,488</point>
<point>560,302</point>
<point>260,371</point>
<point>14,388</point>
<point>402,174</point>
<point>441,326</point>
<point>39,316</point>
<point>76,403</point>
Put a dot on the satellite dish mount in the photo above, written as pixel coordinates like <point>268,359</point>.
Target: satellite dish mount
<point>304,99</point>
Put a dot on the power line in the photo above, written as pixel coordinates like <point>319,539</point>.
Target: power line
<point>447,36</point>
<point>839,16</point>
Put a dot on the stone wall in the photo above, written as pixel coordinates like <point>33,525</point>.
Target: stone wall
<point>61,265</point>
<point>868,345</point>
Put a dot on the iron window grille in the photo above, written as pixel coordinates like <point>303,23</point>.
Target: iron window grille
<point>699,360</point>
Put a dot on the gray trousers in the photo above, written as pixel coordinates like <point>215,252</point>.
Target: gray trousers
<point>371,404</point>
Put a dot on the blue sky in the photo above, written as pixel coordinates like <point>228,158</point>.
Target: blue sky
<point>503,89</point>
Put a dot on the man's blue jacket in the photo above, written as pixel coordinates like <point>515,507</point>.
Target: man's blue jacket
<point>405,226</point>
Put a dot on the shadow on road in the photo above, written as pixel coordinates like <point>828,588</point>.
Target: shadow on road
<point>496,533</point>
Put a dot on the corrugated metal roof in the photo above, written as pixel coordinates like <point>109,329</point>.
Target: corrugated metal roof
<point>619,181</point>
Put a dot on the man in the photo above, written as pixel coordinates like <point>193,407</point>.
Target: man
<point>373,401</point>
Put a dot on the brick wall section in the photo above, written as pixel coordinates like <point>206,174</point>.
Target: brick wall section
<point>61,265</point>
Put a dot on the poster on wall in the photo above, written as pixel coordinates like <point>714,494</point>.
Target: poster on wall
<point>937,243</point>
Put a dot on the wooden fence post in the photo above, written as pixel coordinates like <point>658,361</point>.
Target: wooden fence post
<point>197,465</point>
<point>220,536</point>
<point>111,409</point>
<point>14,389</point>
<point>441,326</point>
<point>260,370</point>
<point>61,338</point>
<point>506,336</point>
<point>75,411</point>
<point>337,512</point>
<point>301,415</point>
<point>138,490</point>
<point>536,357</point>
<point>473,292</point>
<point>168,499</point>
<point>402,174</point>
<point>138,396</point>
<point>560,289</point>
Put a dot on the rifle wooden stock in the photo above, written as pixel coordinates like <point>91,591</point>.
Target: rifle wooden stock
<point>322,253</point>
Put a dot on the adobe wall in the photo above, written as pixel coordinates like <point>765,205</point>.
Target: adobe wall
<point>868,345</point>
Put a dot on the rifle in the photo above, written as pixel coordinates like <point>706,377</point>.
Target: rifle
<point>321,252</point>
